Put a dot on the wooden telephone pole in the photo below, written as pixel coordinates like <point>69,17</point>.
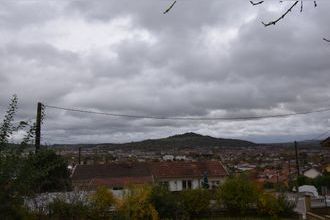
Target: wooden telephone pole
<point>297,157</point>
<point>79,156</point>
<point>38,127</point>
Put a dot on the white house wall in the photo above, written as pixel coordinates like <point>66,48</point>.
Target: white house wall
<point>176,184</point>
<point>195,184</point>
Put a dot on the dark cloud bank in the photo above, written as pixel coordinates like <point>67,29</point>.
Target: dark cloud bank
<point>205,59</point>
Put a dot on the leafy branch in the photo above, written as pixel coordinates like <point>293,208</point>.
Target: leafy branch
<point>8,127</point>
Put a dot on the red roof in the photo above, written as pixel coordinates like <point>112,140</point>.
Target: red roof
<point>123,174</point>
<point>187,169</point>
<point>121,181</point>
<point>112,170</point>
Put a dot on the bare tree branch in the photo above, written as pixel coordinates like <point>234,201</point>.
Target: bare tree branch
<point>283,15</point>
<point>256,3</point>
<point>326,40</point>
<point>167,10</point>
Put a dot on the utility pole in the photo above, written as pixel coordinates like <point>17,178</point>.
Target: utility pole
<point>38,127</point>
<point>289,169</point>
<point>79,156</point>
<point>297,157</point>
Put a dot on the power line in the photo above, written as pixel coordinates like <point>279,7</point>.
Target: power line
<point>319,136</point>
<point>244,118</point>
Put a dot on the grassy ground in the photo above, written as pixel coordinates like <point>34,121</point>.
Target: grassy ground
<point>244,218</point>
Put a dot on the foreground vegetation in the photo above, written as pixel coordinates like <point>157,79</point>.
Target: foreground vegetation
<point>23,173</point>
<point>156,202</point>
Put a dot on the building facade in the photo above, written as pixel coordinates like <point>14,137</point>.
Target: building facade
<point>176,175</point>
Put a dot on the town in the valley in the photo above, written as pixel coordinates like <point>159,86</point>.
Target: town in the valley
<point>193,158</point>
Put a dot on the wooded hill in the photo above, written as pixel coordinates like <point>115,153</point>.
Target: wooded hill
<point>187,140</point>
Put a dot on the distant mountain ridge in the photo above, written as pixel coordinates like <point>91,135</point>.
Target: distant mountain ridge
<point>186,140</point>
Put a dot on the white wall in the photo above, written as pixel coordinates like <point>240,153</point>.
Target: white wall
<point>176,184</point>
<point>195,184</point>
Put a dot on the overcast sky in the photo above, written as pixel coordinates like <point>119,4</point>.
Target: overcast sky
<point>210,58</point>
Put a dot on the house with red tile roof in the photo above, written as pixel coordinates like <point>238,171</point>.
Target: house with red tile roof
<point>114,175</point>
<point>177,175</point>
<point>182,175</point>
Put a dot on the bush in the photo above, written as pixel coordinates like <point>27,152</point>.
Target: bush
<point>238,194</point>
<point>60,209</point>
<point>136,204</point>
<point>302,180</point>
<point>45,171</point>
<point>269,205</point>
<point>165,202</point>
<point>317,182</point>
<point>286,206</point>
<point>194,202</point>
<point>101,203</point>
<point>268,185</point>
<point>185,204</point>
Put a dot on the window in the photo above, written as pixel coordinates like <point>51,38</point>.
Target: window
<point>186,184</point>
<point>117,188</point>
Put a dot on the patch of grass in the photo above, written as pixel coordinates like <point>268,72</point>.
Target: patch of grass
<point>245,218</point>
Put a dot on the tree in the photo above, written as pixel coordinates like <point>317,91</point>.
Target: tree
<point>238,194</point>
<point>10,164</point>
<point>8,128</point>
<point>45,171</point>
<point>318,182</point>
<point>22,175</point>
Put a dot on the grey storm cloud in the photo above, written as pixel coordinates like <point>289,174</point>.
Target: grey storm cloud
<point>203,59</point>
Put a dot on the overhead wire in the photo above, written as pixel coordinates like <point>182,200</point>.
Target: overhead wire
<point>239,118</point>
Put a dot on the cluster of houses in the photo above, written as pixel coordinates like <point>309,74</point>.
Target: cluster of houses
<point>176,175</point>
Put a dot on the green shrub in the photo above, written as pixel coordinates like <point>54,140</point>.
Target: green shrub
<point>165,202</point>
<point>269,205</point>
<point>238,194</point>
<point>286,206</point>
<point>194,202</point>
<point>61,209</point>
<point>101,203</point>
<point>137,205</point>
<point>268,185</point>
